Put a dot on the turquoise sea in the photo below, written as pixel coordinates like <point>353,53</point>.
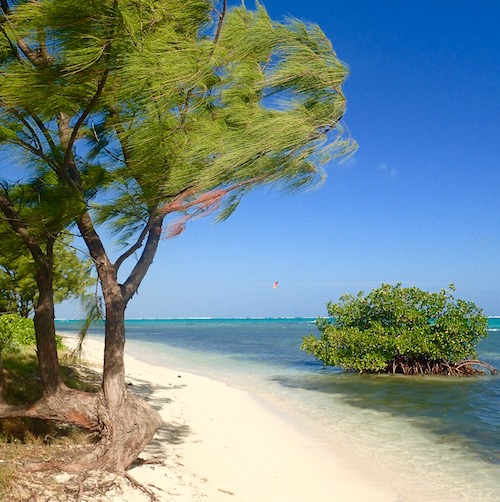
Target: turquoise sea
<point>447,427</point>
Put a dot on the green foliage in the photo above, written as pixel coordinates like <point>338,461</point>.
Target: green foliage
<point>188,103</point>
<point>22,382</point>
<point>393,328</point>
<point>18,288</point>
<point>124,113</point>
<point>15,331</point>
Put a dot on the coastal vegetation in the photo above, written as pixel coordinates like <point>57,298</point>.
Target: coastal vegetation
<point>18,287</point>
<point>401,330</point>
<point>15,331</point>
<point>133,118</point>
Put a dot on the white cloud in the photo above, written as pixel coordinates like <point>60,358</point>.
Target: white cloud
<point>391,171</point>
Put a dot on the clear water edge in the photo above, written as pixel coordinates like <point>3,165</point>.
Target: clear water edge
<point>418,428</point>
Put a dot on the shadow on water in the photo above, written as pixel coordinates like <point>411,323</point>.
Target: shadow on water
<point>458,409</point>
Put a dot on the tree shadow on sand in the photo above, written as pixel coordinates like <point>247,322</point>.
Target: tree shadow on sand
<point>170,433</point>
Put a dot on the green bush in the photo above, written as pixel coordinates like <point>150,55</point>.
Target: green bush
<point>15,331</point>
<point>396,329</point>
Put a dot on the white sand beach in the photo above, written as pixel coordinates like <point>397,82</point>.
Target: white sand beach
<point>219,443</point>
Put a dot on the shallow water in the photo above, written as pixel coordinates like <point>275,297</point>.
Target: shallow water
<point>446,427</point>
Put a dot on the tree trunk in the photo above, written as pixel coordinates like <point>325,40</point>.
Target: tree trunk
<point>44,325</point>
<point>44,311</point>
<point>113,382</point>
<point>124,422</point>
<point>129,426</point>
<point>46,346</point>
<point>129,422</point>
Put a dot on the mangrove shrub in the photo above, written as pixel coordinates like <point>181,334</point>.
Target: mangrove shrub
<point>400,330</point>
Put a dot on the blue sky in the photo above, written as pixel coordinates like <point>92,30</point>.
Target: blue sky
<point>417,204</point>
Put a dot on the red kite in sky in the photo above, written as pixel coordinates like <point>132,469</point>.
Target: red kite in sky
<point>275,285</point>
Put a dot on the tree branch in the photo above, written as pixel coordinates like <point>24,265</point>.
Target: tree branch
<point>41,126</point>
<point>28,126</point>
<point>45,132</point>
<point>96,249</point>
<point>135,278</point>
<point>222,15</point>
<point>5,10</point>
<point>99,142</point>
<point>13,46</point>
<point>42,44</point>
<point>33,56</point>
<point>138,244</point>
<point>4,5</point>
<point>18,225</point>
<point>39,153</point>
<point>36,57</point>
<point>81,119</point>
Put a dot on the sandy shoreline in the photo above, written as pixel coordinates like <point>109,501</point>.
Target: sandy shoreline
<point>219,443</point>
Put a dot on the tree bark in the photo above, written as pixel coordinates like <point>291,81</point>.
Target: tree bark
<point>113,382</point>
<point>70,406</point>
<point>44,324</point>
<point>129,425</point>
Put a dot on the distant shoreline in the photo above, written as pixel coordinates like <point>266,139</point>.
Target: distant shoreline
<point>218,319</point>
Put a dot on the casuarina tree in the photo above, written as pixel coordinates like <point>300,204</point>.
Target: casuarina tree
<point>18,288</point>
<point>144,115</point>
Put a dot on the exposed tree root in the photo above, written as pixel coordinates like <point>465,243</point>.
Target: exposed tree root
<point>468,367</point>
<point>91,486</point>
<point>123,434</point>
<point>66,405</point>
<point>472,365</point>
<point>141,487</point>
